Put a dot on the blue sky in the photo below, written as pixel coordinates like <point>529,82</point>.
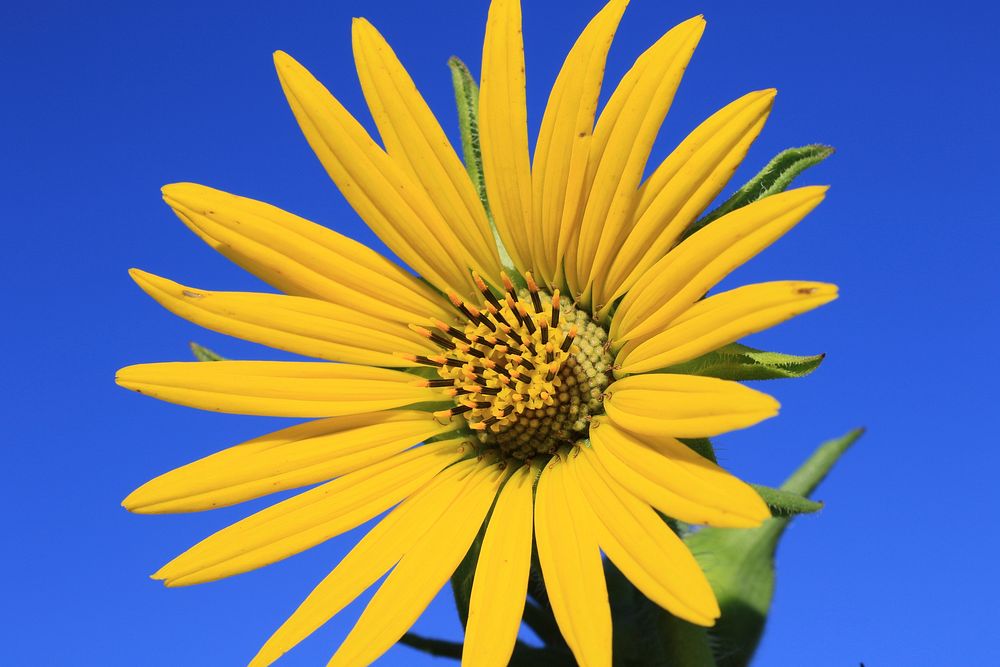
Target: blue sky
<point>106,103</point>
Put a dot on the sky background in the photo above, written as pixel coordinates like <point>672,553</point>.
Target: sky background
<point>105,102</point>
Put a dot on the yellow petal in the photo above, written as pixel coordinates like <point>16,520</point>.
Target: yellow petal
<point>685,406</point>
<point>501,581</point>
<point>671,477</point>
<point>415,141</point>
<point>684,185</point>
<point>562,150</point>
<point>572,567</point>
<point>301,325</point>
<point>503,130</point>
<point>286,459</point>
<point>378,551</point>
<point>312,517</point>
<point>302,258</point>
<point>643,547</point>
<point>722,319</point>
<point>685,274</point>
<point>622,140</point>
<point>389,201</point>
<point>420,574</point>
<point>276,388</point>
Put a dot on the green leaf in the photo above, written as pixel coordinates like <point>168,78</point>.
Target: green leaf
<point>467,101</point>
<point>740,362</point>
<point>686,644</point>
<point>786,503</point>
<point>772,179</point>
<point>739,563</point>
<point>205,354</point>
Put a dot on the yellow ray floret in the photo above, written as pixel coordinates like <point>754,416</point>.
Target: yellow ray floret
<point>671,477</point>
<point>688,271</point>
<point>571,566</point>
<point>722,319</point>
<point>682,187</point>
<point>276,388</point>
<point>415,141</point>
<point>395,207</point>
<point>503,129</point>
<point>642,546</point>
<point>310,327</point>
<point>685,406</point>
<point>622,140</point>
<point>302,258</point>
<point>303,454</point>
<point>372,557</point>
<point>562,150</point>
<point>305,520</point>
<point>420,574</point>
<point>501,581</point>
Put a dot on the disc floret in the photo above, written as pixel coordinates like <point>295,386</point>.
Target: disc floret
<point>526,369</point>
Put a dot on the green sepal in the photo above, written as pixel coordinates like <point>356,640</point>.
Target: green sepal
<point>786,503</point>
<point>426,372</point>
<point>204,354</point>
<point>739,563</point>
<point>772,179</point>
<point>465,573</point>
<point>702,447</point>
<point>740,362</point>
<point>467,101</point>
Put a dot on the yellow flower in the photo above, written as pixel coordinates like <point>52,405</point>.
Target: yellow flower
<point>538,406</point>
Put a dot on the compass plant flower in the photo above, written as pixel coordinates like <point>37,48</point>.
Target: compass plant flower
<point>513,388</point>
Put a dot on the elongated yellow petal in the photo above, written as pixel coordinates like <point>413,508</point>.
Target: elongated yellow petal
<point>276,388</point>
<point>643,547</point>
<point>721,319</point>
<point>685,274</point>
<point>302,258</point>
<point>685,406</point>
<point>312,517</point>
<point>622,140</point>
<point>420,574</point>
<point>501,582</point>
<point>388,200</point>
<point>668,475</point>
<point>562,151</point>
<point>683,186</point>
<point>571,566</point>
<point>416,142</point>
<point>301,325</point>
<point>378,551</point>
<point>503,130</point>
<point>286,459</point>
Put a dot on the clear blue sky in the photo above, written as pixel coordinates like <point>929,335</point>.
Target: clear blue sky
<point>105,103</point>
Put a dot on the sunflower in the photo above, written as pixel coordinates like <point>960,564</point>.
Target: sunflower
<point>514,387</point>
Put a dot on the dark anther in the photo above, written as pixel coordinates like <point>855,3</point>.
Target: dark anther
<point>485,289</point>
<point>536,301</point>
<point>460,305</point>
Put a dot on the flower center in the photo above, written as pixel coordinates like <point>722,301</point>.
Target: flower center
<point>526,371</point>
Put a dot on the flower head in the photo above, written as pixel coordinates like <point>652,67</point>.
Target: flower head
<point>525,361</point>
